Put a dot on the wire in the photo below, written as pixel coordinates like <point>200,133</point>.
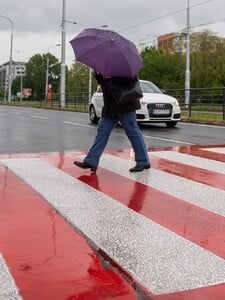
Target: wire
<point>164,16</point>
<point>213,22</point>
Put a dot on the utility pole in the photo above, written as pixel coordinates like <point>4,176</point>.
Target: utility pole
<point>63,65</point>
<point>10,59</point>
<point>187,72</point>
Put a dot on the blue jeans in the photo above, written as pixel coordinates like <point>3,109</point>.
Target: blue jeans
<point>132,130</point>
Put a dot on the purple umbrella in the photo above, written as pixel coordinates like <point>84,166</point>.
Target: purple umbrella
<point>107,52</point>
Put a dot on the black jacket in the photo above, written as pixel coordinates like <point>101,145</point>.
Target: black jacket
<point>111,106</point>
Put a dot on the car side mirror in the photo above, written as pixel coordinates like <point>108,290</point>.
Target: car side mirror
<point>163,91</point>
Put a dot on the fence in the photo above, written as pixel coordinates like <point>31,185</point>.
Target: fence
<point>201,100</point>
<point>74,101</point>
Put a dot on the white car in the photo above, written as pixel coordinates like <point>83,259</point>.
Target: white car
<point>156,107</point>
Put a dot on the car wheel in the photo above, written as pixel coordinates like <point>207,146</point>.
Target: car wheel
<point>171,124</point>
<point>92,115</point>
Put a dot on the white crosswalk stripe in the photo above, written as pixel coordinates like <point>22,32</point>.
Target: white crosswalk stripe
<point>8,289</point>
<point>190,160</point>
<point>161,260</point>
<point>193,192</point>
<point>135,242</point>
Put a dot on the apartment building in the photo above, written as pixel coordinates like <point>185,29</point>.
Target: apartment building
<point>18,69</point>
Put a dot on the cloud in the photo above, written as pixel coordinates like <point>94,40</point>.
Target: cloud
<point>37,23</point>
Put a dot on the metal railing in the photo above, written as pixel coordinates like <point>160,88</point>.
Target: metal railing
<point>201,100</point>
<point>74,101</point>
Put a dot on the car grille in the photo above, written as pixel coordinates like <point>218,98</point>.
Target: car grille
<point>158,110</point>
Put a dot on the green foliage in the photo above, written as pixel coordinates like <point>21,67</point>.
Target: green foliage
<point>207,63</point>
<point>207,60</point>
<point>78,79</point>
<point>36,74</point>
<point>2,94</point>
<point>163,68</point>
<point>16,85</point>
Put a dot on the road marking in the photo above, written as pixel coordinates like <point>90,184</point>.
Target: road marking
<point>78,124</point>
<point>146,136</point>
<point>38,117</point>
<point>217,150</point>
<point>8,289</point>
<point>14,113</point>
<point>148,223</point>
<point>47,257</point>
<point>170,140</point>
<point>135,247</point>
<point>202,195</point>
<point>187,159</point>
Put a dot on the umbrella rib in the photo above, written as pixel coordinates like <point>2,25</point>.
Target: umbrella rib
<point>107,53</point>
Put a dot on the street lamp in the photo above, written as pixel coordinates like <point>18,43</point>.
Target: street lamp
<point>47,71</point>
<point>63,56</point>
<point>187,72</point>
<point>10,58</point>
<point>62,65</point>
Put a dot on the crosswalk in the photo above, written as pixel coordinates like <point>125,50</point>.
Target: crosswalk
<point>157,234</point>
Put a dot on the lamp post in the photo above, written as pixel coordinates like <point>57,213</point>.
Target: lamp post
<point>62,65</point>
<point>63,56</point>
<point>21,86</point>
<point>47,71</point>
<point>10,58</point>
<point>187,71</point>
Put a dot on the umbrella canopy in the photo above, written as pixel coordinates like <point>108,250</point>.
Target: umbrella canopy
<point>107,52</point>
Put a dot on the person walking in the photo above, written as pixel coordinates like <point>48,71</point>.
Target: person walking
<point>112,113</point>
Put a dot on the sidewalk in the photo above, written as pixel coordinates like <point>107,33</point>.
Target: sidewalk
<point>69,234</point>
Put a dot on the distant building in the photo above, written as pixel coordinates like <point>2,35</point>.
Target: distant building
<point>18,69</point>
<point>173,42</point>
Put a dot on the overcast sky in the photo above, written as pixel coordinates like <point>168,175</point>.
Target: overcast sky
<point>37,23</point>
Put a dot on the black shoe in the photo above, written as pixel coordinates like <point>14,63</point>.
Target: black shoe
<point>139,168</point>
<point>85,165</point>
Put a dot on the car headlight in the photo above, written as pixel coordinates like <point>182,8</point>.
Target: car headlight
<point>175,102</point>
<point>143,103</point>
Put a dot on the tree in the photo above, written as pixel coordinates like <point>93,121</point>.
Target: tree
<point>163,68</point>
<point>2,94</point>
<point>36,74</point>
<point>207,60</point>
<point>207,63</point>
<point>78,79</point>
<point>16,85</point>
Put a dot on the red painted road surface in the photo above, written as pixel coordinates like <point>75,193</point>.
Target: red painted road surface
<point>50,259</point>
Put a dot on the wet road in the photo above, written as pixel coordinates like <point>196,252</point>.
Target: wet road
<point>69,234</point>
<point>27,130</point>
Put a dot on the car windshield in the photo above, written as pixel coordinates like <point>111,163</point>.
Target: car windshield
<point>149,87</point>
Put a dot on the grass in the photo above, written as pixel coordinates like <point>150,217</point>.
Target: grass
<point>204,117</point>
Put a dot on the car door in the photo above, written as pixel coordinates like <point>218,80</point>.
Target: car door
<point>98,101</point>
